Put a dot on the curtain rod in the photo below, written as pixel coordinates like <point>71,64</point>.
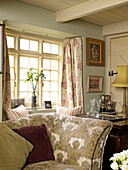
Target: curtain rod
<point>34,33</point>
<point>74,37</point>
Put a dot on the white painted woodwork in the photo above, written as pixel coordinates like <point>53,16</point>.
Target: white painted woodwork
<point>55,5</point>
<point>117,54</point>
<point>101,12</point>
<point>87,8</point>
<point>117,28</point>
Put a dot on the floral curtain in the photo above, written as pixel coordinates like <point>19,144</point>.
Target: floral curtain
<point>71,86</point>
<point>6,87</point>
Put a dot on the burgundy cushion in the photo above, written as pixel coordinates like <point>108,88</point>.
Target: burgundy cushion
<point>37,136</point>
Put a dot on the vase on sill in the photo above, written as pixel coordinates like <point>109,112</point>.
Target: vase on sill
<point>34,100</point>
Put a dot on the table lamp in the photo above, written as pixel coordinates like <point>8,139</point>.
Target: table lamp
<point>122,81</point>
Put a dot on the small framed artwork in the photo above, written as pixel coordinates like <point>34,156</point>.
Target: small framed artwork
<point>1,47</point>
<point>47,104</point>
<point>94,52</point>
<point>94,84</point>
<point>17,102</point>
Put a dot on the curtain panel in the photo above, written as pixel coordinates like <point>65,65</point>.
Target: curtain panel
<point>72,85</point>
<point>6,84</point>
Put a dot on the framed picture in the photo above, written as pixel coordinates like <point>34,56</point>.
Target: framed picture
<point>94,52</point>
<point>94,84</point>
<point>17,102</point>
<point>47,105</point>
<point>1,47</point>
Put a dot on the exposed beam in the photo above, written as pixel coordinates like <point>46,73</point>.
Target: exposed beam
<point>87,8</point>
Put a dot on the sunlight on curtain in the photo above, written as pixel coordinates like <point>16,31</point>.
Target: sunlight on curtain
<point>6,87</point>
<point>71,86</point>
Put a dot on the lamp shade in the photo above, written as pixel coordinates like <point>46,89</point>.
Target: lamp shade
<point>122,77</point>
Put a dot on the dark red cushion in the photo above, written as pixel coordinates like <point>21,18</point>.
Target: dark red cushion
<point>37,136</point>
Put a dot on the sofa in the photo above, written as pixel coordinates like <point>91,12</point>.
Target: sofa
<point>77,143</point>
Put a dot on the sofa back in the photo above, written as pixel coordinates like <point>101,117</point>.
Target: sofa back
<point>75,140</point>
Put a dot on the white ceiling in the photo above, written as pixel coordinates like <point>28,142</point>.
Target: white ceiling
<point>101,12</point>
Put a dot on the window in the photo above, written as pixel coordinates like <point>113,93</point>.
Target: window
<point>34,52</point>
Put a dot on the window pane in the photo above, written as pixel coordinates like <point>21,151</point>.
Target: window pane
<point>12,95</point>
<point>27,96</point>
<point>54,65</point>
<point>24,44</point>
<point>46,64</point>
<point>25,86</point>
<point>12,85</point>
<point>54,86</point>
<point>33,45</point>
<point>46,47</point>
<point>54,75</point>
<point>24,62</point>
<point>54,96</point>
<point>10,42</point>
<point>23,74</point>
<point>46,86</point>
<point>11,60</point>
<point>46,96</point>
<point>34,63</point>
<point>12,73</point>
<point>54,49</point>
<point>47,74</point>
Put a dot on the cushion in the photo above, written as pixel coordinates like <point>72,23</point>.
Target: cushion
<point>17,112</point>
<point>37,135</point>
<point>14,149</point>
<point>69,111</point>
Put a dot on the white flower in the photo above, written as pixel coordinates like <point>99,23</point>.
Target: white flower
<point>124,167</point>
<point>114,166</point>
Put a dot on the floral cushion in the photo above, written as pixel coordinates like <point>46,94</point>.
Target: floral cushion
<point>75,140</point>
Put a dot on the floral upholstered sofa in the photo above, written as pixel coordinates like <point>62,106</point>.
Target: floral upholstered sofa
<point>77,143</point>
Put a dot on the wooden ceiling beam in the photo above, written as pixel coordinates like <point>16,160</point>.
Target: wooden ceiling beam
<point>87,8</point>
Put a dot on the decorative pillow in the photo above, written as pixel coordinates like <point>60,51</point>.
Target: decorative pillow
<point>69,111</point>
<point>17,112</point>
<point>37,135</point>
<point>14,149</point>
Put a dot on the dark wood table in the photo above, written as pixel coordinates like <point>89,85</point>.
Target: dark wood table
<point>117,140</point>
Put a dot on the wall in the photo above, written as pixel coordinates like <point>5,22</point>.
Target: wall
<point>28,14</point>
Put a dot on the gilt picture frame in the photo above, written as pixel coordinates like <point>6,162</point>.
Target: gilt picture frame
<point>1,47</point>
<point>94,84</point>
<point>94,52</point>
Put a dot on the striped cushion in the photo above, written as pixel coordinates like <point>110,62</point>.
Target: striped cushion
<point>17,112</point>
<point>69,111</point>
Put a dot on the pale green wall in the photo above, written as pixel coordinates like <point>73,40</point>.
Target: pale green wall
<point>28,14</point>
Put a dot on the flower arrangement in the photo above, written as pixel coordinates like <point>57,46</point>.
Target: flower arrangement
<point>33,77</point>
<point>120,160</point>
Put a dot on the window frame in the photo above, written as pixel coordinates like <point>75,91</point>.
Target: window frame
<point>17,52</point>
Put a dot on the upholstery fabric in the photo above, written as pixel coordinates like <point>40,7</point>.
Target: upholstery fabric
<point>37,136</point>
<point>75,140</point>
<point>69,111</point>
<point>52,165</point>
<point>14,149</point>
<point>17,112</point>
<point>71,85</point>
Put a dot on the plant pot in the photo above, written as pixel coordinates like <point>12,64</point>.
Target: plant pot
<point>34,102</point>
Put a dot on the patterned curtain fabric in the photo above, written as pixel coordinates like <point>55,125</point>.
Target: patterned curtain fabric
<point>6,86</point>
<point>71,86</point>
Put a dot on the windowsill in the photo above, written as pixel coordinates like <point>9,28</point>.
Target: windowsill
<point>41,110</point>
